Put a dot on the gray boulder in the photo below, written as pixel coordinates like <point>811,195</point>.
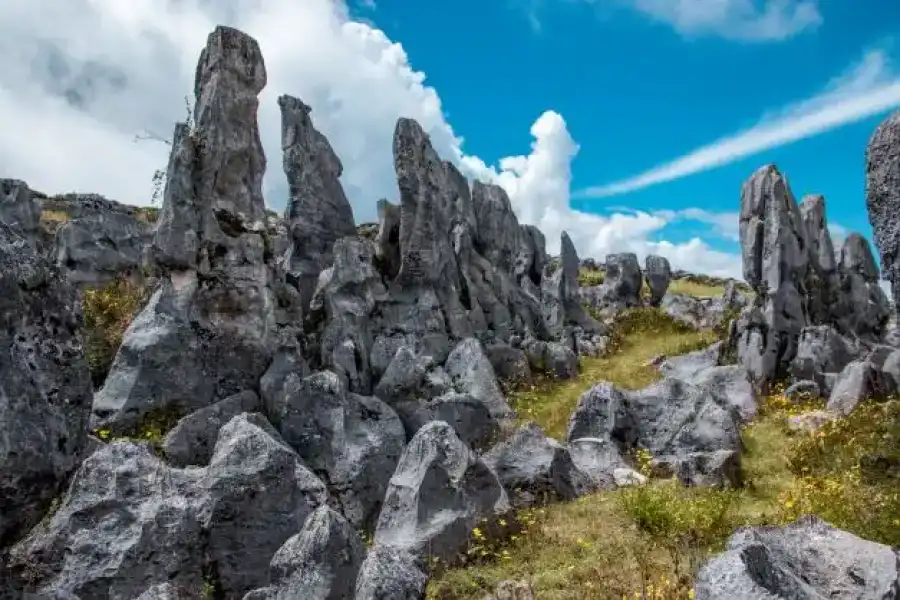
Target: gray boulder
<point>318,213</point>
<point>352,442</point>
<point>693,428</point>
<point>821,350</point>
<point>18,210</point>
<point>192,439</point>
<point>805,559</point>
<point>658,274</point>
<point>45,386</point>
<point>390,574</point>
<point>883,197</point>
<point>860,380</point>
<point>535,469</point>
<point>863,309</point>
<point>319,563</point>
<point>439,493</point>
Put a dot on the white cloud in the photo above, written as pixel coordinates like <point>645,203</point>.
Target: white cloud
<point>870,88</point>
<point>745,20</point>
<point>79,78</point>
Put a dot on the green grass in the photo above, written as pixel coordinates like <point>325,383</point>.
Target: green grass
<point>647,542</point>
<point>698,290</point>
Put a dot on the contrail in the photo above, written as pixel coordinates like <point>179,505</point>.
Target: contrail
<point>819,118</point>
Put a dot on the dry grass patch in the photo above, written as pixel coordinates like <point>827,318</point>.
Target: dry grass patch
<point>108,312</point>
<point>695,289</point>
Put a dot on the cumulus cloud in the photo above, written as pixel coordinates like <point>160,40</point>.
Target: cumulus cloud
<point>744,20</point>
<point>869,88</point>
<point>79,78</point>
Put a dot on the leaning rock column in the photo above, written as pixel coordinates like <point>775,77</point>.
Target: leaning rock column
<point>775,262</point>
<point>883,197</point>
<point>822,264</point>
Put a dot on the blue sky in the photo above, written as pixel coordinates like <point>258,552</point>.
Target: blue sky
<point>637,93</point>
<point>588,112</point>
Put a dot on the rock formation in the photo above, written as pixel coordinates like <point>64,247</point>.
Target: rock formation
<point>883,197</point>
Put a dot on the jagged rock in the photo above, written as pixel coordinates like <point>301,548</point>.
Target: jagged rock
<point>287,363</point>
<point>135,521</point>
<point>863,308</point>
<point>438,494</point>
<point>213,319</point>
<point>532,256</point>
<point>624,279</point>
<point>510,364</point>
<point>691,428</point>
<point>658,274</point>
<point>720,467</point>
<point>498,231</point>
<point>805,559</point>
<point>387,241</point>
<point>390,574</point>
<point>352,442</point>
<point>551,358</point>
<point>318,212</point>
<point>821,350</point>
<point>821,283</point>
<point>45,386</point>
<point>102,240</point>
<point>404,379</point>
<point>18,210</point>
<point>883,197</point>
<point>319,563</point>
<point>472,374</point>
<point>163,339</point>
<point>859,380</point>
<point>560,297</point>
<point>246,526</point>
<point>698,313</point>
<point>775,255</point>
<point>193,438</point>
<point>535,469</point>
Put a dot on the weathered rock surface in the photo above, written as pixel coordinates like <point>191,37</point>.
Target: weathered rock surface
<point>352,442</point>
<point>101,240</point>
<point>138,522</point>
<point>45,385</point>
<point>214,317</point>
<point>535,469</point>
<point>775,255</point>
<point>658,273</point>
<point>18,211</point>
<point>691,430</point>
<point>863,308</point>
<point>390,574</point>
<point>319,563</point>
<point>438,494</point>
<point>821,278</point>
<point>806,559</point>
<point>821,353</point>
<point>883,197</point>
<point>318,213</point>
<point>859,380</point>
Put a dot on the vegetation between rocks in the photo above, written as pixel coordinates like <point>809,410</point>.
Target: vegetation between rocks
<point>108,311</point>
<point>648,541</point>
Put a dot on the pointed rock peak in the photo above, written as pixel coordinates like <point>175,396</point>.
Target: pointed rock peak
<point>856,257</point>
<point>232,50</point>
<point>883,196</point>
<point>300,137</point>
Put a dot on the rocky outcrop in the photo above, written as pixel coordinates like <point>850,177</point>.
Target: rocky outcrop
<point>691,428</point>
<point>806,559</point>
<point>213,317</point>
<point>658,274</point>
<point>440,491</point>
<point>318,212</point>
<point>821,278</point>
<point>775,255</point>
<point>883,197</point>
<point>138,522</point>
<point>45,386</point>
<point>862,309</point>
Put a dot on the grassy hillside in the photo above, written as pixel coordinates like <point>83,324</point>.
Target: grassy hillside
<point>646,542</point>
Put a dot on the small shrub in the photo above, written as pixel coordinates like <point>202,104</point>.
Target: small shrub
<point>590,277</point>
<point>107,313</point>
